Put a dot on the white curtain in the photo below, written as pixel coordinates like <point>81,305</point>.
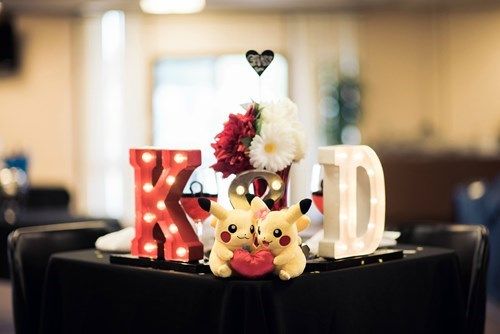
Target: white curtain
<point>110,91</point>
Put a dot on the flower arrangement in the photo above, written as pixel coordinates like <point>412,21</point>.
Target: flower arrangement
<point>267,136</point>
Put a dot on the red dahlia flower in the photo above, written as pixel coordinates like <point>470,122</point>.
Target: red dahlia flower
<point>231,145</point>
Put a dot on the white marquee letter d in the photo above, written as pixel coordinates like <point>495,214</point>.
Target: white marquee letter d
<point>341,215</point>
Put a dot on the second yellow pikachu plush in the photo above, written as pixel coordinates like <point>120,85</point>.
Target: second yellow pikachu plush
<point>278,230</point>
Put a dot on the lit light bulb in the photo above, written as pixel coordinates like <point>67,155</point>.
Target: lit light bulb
<point>341,246</point>
<point>359,244</point>
<point>173,228</point>
<point>147,187</point>
<point>147,157</point>
<point>370,172</point>
<point>181,251</point>
<point>373,200</point>
<point>149,217</point>
<point>276,185</point>
<point>172,6</point>
<point>358,156</point>
<point>149,247</point>
<point>240,190</point>
<point>161,205</point>
<point>170,180</point>
<point>180,158</point>
<point>341,156</point>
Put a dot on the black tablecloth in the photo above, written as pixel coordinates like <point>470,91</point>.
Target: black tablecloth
<point>84,293</point>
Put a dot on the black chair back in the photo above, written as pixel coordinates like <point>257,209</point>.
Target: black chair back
<point>29,250</point>
<point>470,242</point>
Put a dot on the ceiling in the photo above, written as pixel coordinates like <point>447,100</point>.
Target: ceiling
<point>75,7</point>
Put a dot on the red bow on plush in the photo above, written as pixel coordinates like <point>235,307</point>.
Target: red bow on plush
<point>252,265</point>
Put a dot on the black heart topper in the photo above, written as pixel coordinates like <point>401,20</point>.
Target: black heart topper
<point>259,62</point>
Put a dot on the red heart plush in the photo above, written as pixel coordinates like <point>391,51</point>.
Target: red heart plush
<point>252,265</point>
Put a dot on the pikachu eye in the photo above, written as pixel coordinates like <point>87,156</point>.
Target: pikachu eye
<point>277,233</point>
<point>252,229</point>
<point>258,230</point>
<point>232,228</point>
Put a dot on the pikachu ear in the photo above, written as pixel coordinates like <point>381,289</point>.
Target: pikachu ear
<point>213,222</point>
<point>257,205</point>
<point>297,210</point>
<point>302,223</point>
<point>213,207</point>
<point>249,197</point>
<point>269,202</point>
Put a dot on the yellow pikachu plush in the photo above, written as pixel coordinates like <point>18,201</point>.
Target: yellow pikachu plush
<point>233,229</point>
<point>279,230</point>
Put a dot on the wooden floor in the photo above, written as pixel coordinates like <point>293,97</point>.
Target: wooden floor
<point>492,318</point>
<point>6,321</point>
<point>7,324</point>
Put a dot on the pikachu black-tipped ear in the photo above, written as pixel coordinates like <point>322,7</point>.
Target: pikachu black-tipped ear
<point>305,205</point>
<point>270,203</point>
<point>249,197</point>
<point>213,207</point>
<point>297,210</point>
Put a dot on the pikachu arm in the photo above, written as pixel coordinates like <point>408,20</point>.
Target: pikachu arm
<point>223,253</point>
<point>285,257</point>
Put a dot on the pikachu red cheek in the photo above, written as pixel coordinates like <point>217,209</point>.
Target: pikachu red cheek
<point>284,240</point>
<point>225,236</point>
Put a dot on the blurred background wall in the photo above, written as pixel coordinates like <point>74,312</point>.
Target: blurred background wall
<point>36,110</point>
<point>436,71</point>
<point>428,79</point>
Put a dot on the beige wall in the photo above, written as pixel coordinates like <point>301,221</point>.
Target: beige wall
<point>471,75</point>
<point>35,105</point>
<point>395,57</point>
<point>442,69</point>
<point>214,33</point>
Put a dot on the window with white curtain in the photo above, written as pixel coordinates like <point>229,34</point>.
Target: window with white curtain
<point>101,115</point>
<point>113,46</point>
<point>192,98</point>
<point>111,117</point>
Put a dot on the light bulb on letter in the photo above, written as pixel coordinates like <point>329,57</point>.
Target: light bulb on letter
<point>181,251</point>
<point>147,157</point>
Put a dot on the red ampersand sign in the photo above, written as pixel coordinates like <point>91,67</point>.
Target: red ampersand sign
<point>160,177</point>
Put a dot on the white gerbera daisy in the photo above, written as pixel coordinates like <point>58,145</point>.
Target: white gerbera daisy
<point>273,149</point>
